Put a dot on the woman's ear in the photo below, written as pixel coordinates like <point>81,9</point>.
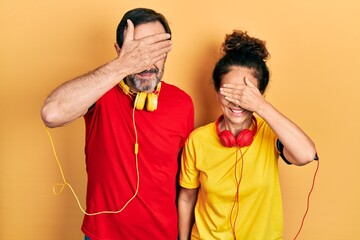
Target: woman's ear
<point>117,48</point>
<point>217,94</point>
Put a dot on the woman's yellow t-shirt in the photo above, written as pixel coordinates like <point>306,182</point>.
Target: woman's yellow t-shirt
<point>254,211</point>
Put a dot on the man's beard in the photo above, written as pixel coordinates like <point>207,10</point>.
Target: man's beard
<point>145,84</point>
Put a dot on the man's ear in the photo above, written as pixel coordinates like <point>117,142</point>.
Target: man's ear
<point>117,48</point>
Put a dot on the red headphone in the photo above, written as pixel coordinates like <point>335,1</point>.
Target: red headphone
<point>243,139</point>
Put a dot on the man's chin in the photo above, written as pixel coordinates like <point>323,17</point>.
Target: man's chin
<point>144,82</point>
<point>145,85</point>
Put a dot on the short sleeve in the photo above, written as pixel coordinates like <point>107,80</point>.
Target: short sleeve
<point>189,174</point>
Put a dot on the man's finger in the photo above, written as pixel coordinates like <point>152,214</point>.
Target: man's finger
<point>129,35</point>
<point>161,47</point>
<point>160,37</point>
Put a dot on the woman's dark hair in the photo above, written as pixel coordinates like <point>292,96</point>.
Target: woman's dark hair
<point>139,16</point>
<point>244,51</point>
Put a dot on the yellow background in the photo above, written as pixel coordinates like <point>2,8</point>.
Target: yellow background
<point>315,79</point>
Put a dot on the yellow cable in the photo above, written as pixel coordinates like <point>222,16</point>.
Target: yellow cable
<point>65,183</point>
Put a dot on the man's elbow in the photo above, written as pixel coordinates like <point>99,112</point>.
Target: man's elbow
<point>51,117</point>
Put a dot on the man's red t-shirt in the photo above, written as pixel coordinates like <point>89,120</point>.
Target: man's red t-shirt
<point>111,165</point>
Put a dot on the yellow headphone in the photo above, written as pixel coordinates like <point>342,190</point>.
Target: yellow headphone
<point>151,100</point>
<point>142,98</point>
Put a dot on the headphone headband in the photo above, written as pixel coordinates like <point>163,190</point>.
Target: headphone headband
<point>126,89</point>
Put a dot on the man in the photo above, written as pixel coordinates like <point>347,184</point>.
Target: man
<point>131,154</point>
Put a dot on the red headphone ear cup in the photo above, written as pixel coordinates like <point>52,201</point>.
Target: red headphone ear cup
<point>227,139</point>
<point>245,138</point>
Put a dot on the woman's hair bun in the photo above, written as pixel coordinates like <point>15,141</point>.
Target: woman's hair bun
<point>240,42</point>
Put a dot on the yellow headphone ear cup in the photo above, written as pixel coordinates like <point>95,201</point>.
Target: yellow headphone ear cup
<point>151,102</point>
<point>140,100</point>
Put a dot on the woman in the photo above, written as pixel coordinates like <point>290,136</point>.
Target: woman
<point>229,170</point>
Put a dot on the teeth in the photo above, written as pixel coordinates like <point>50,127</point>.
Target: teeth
<point>236,110</point>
